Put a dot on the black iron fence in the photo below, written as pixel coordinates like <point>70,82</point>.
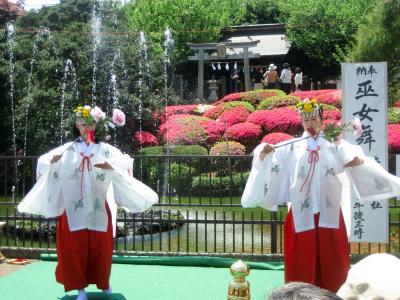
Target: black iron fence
<point>199,210</point>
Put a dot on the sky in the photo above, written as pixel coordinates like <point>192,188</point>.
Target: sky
<point>36,4</point>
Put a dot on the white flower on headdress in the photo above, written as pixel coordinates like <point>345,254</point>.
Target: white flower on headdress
<point>118,117</point>
<point>97,114</point>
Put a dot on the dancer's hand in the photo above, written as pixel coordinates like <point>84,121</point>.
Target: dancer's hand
<point>104,165</point>
<point>355,162</point>
<point>55,158</point>
<point>267,149</point>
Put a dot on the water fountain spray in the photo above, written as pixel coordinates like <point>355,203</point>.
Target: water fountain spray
<point>11,67</point>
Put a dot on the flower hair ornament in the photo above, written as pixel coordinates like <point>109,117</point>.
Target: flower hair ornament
<point>308,108</point>
<point>94,115</point>
<point>87,115</point>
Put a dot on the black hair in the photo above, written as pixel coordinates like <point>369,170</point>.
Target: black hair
<point>302,291</point>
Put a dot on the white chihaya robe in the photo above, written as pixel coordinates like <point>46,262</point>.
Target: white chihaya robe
<point>284,176</point>
<point>75,185</point>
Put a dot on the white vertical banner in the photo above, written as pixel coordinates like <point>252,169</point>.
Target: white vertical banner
<point>365,97</point>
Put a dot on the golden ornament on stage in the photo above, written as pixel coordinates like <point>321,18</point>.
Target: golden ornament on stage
<point>239,288</point>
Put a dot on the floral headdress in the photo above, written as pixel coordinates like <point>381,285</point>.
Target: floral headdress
<point>94,115</point>
<point>308,108</point>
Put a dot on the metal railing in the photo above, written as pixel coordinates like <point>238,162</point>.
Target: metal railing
<point>199,210</point>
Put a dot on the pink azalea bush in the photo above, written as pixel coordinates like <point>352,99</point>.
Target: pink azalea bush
<point>166,112</point>
<point>233,116</point>
<point>397,104</point>
<point>228,148</point>
<point>394,138</point>
<point>229,98</point>
<point>331,115</point>
<point>311,94</point>
<point>332,98</point>
<point>245,133</point>
<point>214,130</point>
<point>191,130</point>
<point>215,112</point>
<point>283,119</point>
<point>276,137</point>
<point>144,139</point>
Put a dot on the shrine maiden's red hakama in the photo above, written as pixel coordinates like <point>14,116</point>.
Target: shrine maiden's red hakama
<point>84,256</point>
<point>319,256</point>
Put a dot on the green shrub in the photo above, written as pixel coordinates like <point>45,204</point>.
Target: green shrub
<point>233,104</point>
<point>278,101</point>
<point>157,150</point>
<point>394,115</point>
<point>255,97</point>
<point>179,177</point>
<point>219,186</point>
<point>190,150</point>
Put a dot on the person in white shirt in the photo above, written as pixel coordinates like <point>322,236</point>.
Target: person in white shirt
<point>286,78</point>
<point>80,183</point>
<point>298,79</point>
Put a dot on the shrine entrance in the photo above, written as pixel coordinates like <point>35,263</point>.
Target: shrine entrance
<point>219,53</point>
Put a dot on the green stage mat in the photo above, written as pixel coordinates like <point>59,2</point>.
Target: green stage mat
<point>191,278</point>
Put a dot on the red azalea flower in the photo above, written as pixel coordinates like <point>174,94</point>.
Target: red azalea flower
<point>145,139</point>
<point>233,116</point>
<point>214,113</point>
<point>229,98</point>
<point>281,119</point>
<point>397,104</point>
<point>168,111</point>
<point>243,132</point>
<point>333,97</point>
<point>311,94</point>
<point>276,137</point>
<point>331,115</point>
<point>191,130</point>
<point>394,138</point>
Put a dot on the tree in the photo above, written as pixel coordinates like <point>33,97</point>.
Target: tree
<point>48,42</point>
<point>196,21</point>
<point>261,12</point>
<point>379,40</point>
<point>323,29</point>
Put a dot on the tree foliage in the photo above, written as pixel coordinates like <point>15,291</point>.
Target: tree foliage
<point>196,21</point>
<point>261,12</point>
<point>47,43</point>
<point>379,40</point>
<point>323,29</point>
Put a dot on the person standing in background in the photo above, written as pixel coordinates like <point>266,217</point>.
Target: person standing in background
<point>270,77</point>
<point>286,78</point>
<point>298,79</point>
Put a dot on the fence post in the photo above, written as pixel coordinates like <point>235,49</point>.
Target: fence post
<point>274,231</point>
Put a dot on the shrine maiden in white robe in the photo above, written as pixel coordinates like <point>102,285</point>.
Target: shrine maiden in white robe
<point>311,184</point>
<point>75,185</point>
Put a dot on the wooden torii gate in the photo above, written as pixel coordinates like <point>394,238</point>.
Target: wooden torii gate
<point>201,57</point>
